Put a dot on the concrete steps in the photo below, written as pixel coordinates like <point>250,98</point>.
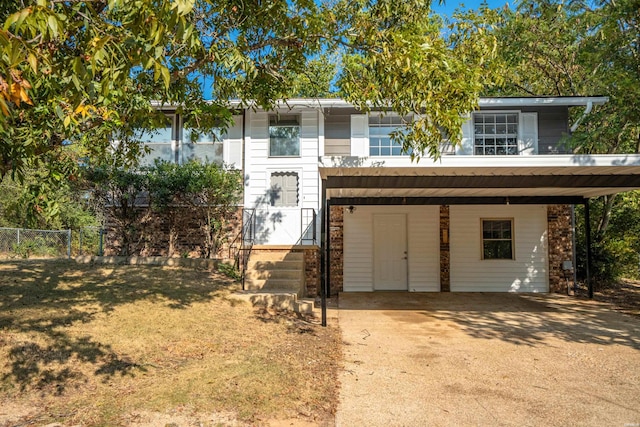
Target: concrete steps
<point>276,279</point>
<point>277,271</point>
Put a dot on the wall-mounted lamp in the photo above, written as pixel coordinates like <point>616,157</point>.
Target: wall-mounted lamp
<point>351,209</point>
<point>507,201</point>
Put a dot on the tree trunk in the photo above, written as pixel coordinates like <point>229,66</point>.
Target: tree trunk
<point>603,224</point>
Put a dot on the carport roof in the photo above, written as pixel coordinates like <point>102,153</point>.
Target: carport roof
<point>563,178</point>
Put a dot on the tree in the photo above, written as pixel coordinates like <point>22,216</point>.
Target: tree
<point>550,47</point>
<point>116,192</point>
<point>205,191</point>
<point>77,72</point>
<point>21,207</point>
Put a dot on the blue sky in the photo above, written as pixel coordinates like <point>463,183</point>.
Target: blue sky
<point>450,6</point>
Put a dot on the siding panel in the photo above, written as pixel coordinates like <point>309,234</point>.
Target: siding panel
<point>526,273</point>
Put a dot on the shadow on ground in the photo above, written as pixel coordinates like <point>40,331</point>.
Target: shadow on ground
<point>523,319</point>
<point>40,299</point>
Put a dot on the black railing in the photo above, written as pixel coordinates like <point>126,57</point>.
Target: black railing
<point>308,227</point>
<point>240,247</point>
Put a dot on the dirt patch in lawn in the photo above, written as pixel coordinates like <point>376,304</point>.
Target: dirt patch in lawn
<point>148,345</point>
<point>623,296</point>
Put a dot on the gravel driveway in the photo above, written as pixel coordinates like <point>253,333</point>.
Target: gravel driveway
<point>486,359</point>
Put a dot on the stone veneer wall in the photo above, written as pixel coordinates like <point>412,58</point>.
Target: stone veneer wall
<point>152,235</point>
<point>312,270</point>
<point>445,254</point>
<point>560,238</point>
<point>336,228</point>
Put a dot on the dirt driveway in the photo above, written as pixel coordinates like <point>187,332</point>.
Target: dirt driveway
<point>487,359</point>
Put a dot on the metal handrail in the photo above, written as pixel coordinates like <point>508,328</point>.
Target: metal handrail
<point>309,228</point>
<point>240,247</point>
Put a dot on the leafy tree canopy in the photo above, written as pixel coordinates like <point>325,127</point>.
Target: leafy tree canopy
<point>85,72</point>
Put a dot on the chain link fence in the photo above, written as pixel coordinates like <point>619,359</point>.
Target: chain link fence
<point>91,241</point>
<point>25,243</point>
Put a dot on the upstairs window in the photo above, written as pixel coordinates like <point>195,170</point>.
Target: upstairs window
<point>284,135</point>
<point>284,189</point>
<point>497,239</point>
<point>380,129</point>
<point>495,134</point>
<point>159,142</point>
<point>205,147</point>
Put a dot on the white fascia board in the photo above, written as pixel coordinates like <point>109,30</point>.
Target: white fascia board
<point>483,102</point>
<point>481,165</point>
<point>567,101</point>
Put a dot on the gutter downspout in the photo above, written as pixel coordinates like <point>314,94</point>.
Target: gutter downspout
<point>587,110</point>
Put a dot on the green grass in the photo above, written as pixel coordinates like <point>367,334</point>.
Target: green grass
<point>99,345</point>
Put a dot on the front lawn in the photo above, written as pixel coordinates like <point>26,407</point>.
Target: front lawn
<point>145,345</point>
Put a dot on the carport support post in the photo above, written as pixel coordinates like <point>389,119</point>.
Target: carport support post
<point>323,254</point>
<point>587,228</point>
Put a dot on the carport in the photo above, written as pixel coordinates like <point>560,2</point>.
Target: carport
<point>470,180</point>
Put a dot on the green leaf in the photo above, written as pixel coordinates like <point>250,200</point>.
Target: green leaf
<point>53,25</point>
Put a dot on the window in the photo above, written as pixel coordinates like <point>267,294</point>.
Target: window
<point>497,239</point>
<point>159,141</point>
<point>495,133</point>
<point>206,147</point>
<point>380,129</point>
<point>284,135</point>
<point>284,189</point>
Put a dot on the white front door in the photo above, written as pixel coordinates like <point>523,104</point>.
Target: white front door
<point>390,252</point>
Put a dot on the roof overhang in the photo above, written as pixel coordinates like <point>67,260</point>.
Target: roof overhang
<point>484,102</point>
<point>557,178</point>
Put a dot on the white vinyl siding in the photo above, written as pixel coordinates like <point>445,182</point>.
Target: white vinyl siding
<point>527,272</point>
<point>422,242</point>
<point>280,225</point>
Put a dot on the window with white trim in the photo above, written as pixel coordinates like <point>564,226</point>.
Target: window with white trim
<point>284,135</point>
<point>497,238</point>
<point>205,147</point>
<point>284,189</point>
<point>380,129</point>
<point>159,142</point>
<point>495,134</point>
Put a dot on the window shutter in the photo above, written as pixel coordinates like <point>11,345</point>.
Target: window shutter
<point>528,133</point>
<point>359,135</point>
<point>284,189</point>
<point>466,143</point>
<point>290,189</point>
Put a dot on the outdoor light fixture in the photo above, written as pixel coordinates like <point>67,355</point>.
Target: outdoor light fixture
<point>351,209</point>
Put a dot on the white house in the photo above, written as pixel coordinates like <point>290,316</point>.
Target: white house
<point>495,214</point>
